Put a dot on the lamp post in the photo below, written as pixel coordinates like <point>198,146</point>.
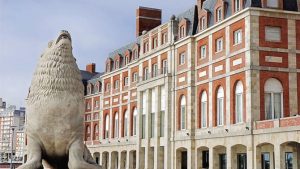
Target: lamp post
<point>12,146</point>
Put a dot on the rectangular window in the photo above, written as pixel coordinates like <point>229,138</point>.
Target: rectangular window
<point>203,114</point>
<point>265,160</point>
<point>203,25</point>
<point>181,58</point>
<point>183,117</point>
<point>146,73</point>
<point>155,43</point>
<point>242,161</point>
<point>146,47</point>
<point>222,161</point>
<point>273,33</point>
<point>134,79</point>
<point>205,159</point>
<point>154,70</point>
<point>163,98</point>
<point>239,108</point>
<point>219,14</point>
<point>237,37</point>
<point>164,38</point>
<point>219,45</point>
<point>117,84</point>
<point>288,160</point>
<point>126,81</point>
<point>203,51</point>
<point>272,3</point>
<point>165,66</point>
<point>237,5</point>
<point>220,111</point>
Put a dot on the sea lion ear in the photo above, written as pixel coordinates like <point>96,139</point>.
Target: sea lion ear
<point>50,44</point>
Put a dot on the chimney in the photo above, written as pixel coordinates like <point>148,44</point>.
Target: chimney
<point>147,19</point>
<point>91,68</point>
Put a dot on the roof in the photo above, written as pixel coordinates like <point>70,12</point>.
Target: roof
<point>86,75</point>
<point>124,48</point>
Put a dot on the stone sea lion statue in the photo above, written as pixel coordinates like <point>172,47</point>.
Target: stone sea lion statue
<point>55,105</point>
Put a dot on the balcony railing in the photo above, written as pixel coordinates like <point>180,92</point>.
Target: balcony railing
<point>153,74</point>
<point>281,122</point>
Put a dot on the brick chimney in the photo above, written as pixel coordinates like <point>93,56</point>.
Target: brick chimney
<point>147,19</point>
<point>91,67</point>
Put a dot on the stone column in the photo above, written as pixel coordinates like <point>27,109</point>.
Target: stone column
<point>228,157</point>
<point>128,160</point>
<point>211,158</point>
<point>276,157</point>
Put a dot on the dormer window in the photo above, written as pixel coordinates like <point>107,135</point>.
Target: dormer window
<point>117,64</point>
<point>273,3</point>
<point>237,5</point>
<point>126,81</point>
<point>155,43</point>
<point>219,14</point>
<point>182,31</point>
<point>202,23</point>
<point>164,38</point>
<point>146,47</point>
<point>126,60</point>
<point>108,67</point>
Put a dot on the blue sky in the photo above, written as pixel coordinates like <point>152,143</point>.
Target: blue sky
<point>97,28</point>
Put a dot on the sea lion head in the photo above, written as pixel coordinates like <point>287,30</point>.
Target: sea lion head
<point>57,70</point>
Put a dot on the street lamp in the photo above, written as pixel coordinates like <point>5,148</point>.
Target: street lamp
<point>12,146</point>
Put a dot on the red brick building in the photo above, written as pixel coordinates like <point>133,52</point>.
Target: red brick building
<point>217,86</point>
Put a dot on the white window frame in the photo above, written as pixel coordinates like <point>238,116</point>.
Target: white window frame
<point>238,37</point>
<point>271,88</point>
<point>182,58</point>
<point>106,127</point>
<point>183,113</point>
<point>125,125</point>
<point>239,111</point>
<point>146,73</point>
<point>126,81</point>
<point>237,5</point>
<point>203,51</point>
<point>204,110</point>
<point>203,23</point>
<point>165,66</point>
<point>219,14</point>
<point>272,5</point>
<point>164,38</point>
<point>155,70</point>
<point>134,121</point>
<point>219,45</point>
<point>116,127</point>
<point>220,106</point>
<point>117,83</point>
<point>117,65</point>
<point>155,42</point>
<point>134,77</point>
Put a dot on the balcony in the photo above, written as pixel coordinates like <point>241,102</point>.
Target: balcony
<point>278,123</point>
<point>154,74</point>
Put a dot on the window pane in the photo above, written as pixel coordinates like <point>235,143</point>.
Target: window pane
<point>239,108</point>
<point>183,115</point>
<point>220,110</point>
<point>288,160</point>
<point>277,105</point>
<point>265,161</point>
<point>162,122</point>
<point>272,3</point>
<point>152,124</point>
<point>268,106</point>
<point>203,113</point>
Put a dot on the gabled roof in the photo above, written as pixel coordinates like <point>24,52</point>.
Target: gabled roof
<point>192,17</point>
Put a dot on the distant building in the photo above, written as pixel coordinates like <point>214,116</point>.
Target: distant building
<point>216,87</point>
<point>12,123</point>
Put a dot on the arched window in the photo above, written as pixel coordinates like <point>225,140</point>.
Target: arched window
<point>219,14</point>
<point>204,109</point>
<point>273,99</point>
<point>116,132</point>
<point>125,125</point>
<point>220,106</point>
<point>134,121</point>
<point>272,3</point>
<point>106,126</point>
<point>239,102</point>
<point>182,113</point>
